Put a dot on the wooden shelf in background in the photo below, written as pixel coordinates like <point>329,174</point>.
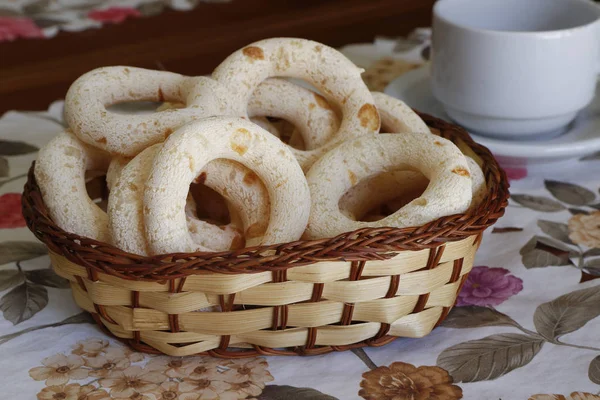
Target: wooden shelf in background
<point>34,73</point>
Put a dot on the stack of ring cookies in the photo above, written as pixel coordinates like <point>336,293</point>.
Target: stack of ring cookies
<point>247,157</point>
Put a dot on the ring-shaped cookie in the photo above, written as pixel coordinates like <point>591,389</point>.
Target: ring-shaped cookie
<point>328,70</point>
<point>308,111</point>
<point>125,212</point>
<point>60,173</point>
<point>247,199</point>
<point>396,116</point>
<point>114,170</point>
<point>244,191</point>
<point>448,192</point>
<point>478,184</point>
<point>89,96</point>
<point>381,189</point>
<point>393,189</point>
<point>212,237</point>
<point>187,151</point>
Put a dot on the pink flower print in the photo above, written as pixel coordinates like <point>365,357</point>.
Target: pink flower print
<point>12,28</point>
<point>487,286</point>
<point>114,15</point>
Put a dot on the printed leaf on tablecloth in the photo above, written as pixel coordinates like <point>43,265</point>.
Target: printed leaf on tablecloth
<point>8,12</point>
<point>9,279</point>
<point>556,230</point>
<point>541,252</point>
<point>593,156</point>
<point>594,370</point>
<point>507,229</point>
<point>585,277</point>
<point>47,22</point>
<point>11,179</point>
<point>592,252</point>
<point>284,392</point>
<point>592,267</point>
<point>426,53</point>
<point>567,313</point>
<point>576,211</point>
<point>490,357</point>
<point>570,193</point>
<point>20,251</point>
<point>538,203</point>
<point>475,317</point>
<point>47,277</point>
<point>152,9</point>
<point>81,318</point>
<point>36,7</point>
<point>10,148</point>
<point>23,302</point>
<point>50,115</point>
<point>4,169</point>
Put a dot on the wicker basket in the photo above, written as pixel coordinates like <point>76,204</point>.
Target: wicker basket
<point>363,288</point>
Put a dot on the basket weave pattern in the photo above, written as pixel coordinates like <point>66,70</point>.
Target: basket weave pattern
<point>362,288</point>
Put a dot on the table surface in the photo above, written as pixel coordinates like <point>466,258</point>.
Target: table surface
<point>525,325</point>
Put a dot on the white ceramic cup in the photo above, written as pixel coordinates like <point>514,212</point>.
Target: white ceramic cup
<point>515,69</point>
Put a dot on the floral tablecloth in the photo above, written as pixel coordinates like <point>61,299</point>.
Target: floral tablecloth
<point>43,19</point>
<point>525,325</point>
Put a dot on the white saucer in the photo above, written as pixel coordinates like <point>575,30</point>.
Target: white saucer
<point>582,137</point>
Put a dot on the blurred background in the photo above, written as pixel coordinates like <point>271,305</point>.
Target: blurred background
<point>46,44</point>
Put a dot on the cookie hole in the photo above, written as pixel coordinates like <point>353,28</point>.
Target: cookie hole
<point>210,205</point>
<point>96,187</point>
<point>143,107</point>
<point>385,128</point>
<point>381,195</point>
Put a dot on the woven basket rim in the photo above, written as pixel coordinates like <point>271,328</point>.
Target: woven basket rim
<point>361,245</point>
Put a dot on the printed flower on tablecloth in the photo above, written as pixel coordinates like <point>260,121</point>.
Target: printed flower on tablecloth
<point>585,229</point>
<point>12,28</point>
<point>207,389</point>
<point>95,347</point>
<point>59,369</point>
<point>124,352</point>
<point>173,391</point>
<point>73,391</point>
<point>487,286</point>
<point>90,347</point>
<point>402,381</point>
<point>180,367</point>
<point>245,389</point>
<point>205,368</point>
<point>10,211</point>
<point>133,380</point>
<point>104,364</point>
<point>515,174</point>
<point>114,15</point>
<point>572,396</point>
<point>252,370</point>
